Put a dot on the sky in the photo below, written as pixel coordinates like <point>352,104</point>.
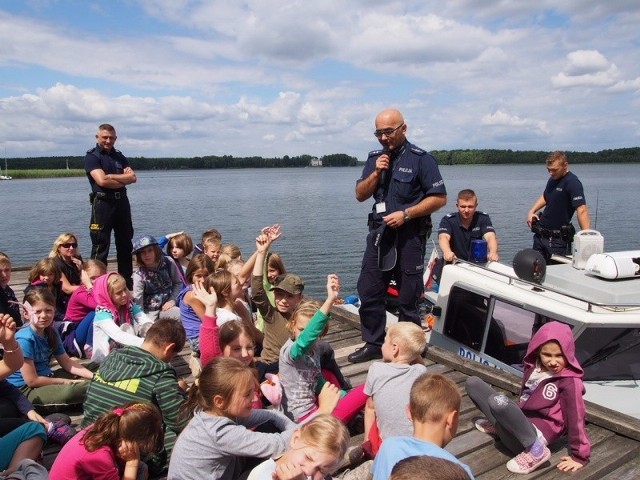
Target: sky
<point>185,78</point>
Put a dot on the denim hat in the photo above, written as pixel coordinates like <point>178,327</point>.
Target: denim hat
<point>144,241</point>
<point>290,283</point>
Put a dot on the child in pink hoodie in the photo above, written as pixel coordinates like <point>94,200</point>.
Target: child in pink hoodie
<point>550,405</point>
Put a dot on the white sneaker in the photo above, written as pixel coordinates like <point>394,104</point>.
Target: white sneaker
<point>525,462</point>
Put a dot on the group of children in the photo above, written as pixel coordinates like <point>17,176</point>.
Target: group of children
<point>256,343</point>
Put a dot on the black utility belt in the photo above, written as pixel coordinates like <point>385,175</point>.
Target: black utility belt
<point>107,196</point>
<point>566,232</point>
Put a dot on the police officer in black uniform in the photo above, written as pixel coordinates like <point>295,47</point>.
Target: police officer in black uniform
<point>407,187</point>
<point>457,230</point>
<point>109,173</point>
<point>562,196</point>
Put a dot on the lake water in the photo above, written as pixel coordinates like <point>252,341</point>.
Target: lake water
<point>324,226</point>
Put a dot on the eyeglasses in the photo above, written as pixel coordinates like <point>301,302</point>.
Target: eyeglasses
<point>69,245</point>
<point>388,131</point>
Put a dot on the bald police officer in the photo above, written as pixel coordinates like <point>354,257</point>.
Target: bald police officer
<point>407,188</point>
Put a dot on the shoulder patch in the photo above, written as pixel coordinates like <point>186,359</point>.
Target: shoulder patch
<point>375,153</point>
<point>418,151</point>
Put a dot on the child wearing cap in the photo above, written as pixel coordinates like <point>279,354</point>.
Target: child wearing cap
<point>157,282</point>
<point>287,289</point>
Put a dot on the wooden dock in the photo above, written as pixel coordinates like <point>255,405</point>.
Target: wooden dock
<point>615,437</point>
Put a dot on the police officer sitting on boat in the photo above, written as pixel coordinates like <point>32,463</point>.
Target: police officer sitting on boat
<point>407,188</point>
<point>457,230</point>
<point>562,196</point>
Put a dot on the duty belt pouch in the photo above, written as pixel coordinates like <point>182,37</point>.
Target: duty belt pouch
<point>91,197</point>
<point>425,226</point>
<point>567,232</point>
<point>370,221</point>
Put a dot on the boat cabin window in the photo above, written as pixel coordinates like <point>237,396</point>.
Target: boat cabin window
<point>609,353</point>
<point>466,317</point>
<point>510,331</point>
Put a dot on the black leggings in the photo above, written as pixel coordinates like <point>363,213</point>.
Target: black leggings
<point>514,428</point>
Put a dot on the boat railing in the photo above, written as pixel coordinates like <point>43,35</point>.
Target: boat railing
<point>537,287</point>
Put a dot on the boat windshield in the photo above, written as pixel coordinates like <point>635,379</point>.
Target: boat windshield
<point>609,353</point>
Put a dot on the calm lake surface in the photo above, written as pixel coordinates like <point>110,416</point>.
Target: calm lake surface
<point>324,226</point>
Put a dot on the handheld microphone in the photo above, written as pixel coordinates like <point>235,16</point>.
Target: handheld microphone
<point>383,174</point>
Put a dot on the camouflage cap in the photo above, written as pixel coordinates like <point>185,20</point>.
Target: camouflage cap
<point>290,283</point>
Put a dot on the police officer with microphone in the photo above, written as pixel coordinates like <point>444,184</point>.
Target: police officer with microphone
<point>407,188</point>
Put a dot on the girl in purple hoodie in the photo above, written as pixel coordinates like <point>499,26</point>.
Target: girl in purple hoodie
<point>549,407</point>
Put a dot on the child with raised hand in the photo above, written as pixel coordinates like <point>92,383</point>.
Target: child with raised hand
<point>315,450</point>
<point>273,268</point>
<point>192,310</point>
<point>218,436</point>
<point>112,447</point>
<point>40,342</point>
<point>300,371</point>
<point>234,339</point>
<point>389,383</point>
<point>287,294</point>
<point>550,404</point>
<point>118,320</point>
<point>434,405</point>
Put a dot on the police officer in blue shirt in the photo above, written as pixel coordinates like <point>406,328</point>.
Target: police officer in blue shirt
<point>457,230</point>
<point>562,196</point>
<point>407,188</point>
<point>109,173</point>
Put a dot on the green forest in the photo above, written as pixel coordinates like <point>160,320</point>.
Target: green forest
<point>444,157</point>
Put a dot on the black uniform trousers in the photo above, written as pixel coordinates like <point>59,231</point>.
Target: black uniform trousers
<point>107,215</point>
<point>373,284</point>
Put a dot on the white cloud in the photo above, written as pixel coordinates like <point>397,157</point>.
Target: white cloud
<point>289,77</point>
<point>586,68</point>
<point>502,119</point>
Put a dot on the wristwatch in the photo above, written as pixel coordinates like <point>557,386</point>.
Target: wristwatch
<point>407,217</point>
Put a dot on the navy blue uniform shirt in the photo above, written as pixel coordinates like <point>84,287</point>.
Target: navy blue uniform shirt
<point>112,162</point>
<point>412,176</point>
<point>461,237</point>
<point>562,197</point>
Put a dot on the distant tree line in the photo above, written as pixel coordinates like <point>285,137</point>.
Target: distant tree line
<point>445,157</point>
<point>479,157</point>
<point>170,163</point>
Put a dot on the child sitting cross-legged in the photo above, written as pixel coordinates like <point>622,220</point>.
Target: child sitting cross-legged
<point>389,383</point>
<point>433,407</point>
<point>47,390</point>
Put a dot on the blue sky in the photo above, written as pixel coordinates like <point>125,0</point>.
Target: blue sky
<point>273,77</point>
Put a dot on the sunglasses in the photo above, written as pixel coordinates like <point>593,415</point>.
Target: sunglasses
<point>69,245</point>
<point>387,132</point>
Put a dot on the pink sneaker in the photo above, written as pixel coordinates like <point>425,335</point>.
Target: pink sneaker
<point>525,462</point>
<point>485,426</point>
<point>60,432</point>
